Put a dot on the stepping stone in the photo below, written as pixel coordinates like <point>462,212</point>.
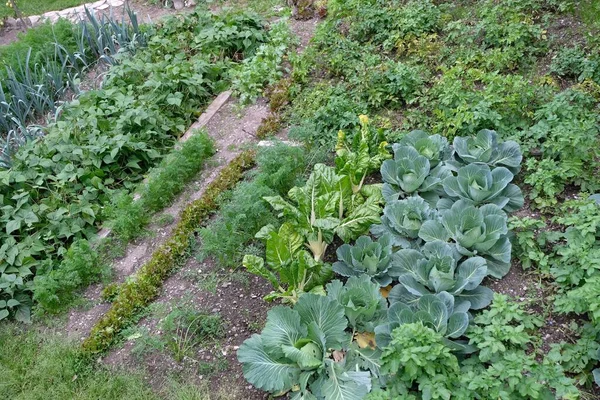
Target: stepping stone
<point>115,3</point>
<point>102,7</point>
<point>178,4</point>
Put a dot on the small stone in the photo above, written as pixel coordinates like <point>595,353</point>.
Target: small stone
<point>190,3</point>
<point>10,23</point>
<point>215,310</point>
<point>34,20</point>
<point>178,4</point>
<point>241,296</point>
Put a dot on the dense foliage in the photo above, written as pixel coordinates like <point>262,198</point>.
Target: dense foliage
<point>56,191</point>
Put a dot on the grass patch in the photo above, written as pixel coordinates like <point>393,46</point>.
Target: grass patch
<point>38,7</point>
<point>42,365</point>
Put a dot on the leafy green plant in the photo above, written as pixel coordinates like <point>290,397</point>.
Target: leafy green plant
<point>325,206</point>
<point>438,312</point>
<point>265,67</point>
<point>402,220</point>
<point>505,325</point>
<point>434,147</point>
<point>362,156</point>
<point>579,356</point>
<point>293,352</point>
<point>477,184</point>
<point>80,267</point>
<point>363,303</point>
<point>475,231</point>
<point>411,173</point>
<point>290,270</point>
<point>435,269</point>
<point>416,356</point>
<point>488,149</point>
<point>368,258</point>
<point>529,242</point>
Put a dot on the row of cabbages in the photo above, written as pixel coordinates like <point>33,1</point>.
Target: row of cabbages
<point>443,230</point>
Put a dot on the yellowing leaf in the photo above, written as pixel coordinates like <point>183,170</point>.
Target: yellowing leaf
<point>385,291</point>
<point>365,339</point>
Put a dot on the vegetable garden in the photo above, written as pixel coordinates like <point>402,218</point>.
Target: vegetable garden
<point>427,228</point>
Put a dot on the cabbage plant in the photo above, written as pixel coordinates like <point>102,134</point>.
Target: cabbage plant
<point>411,173</point>
<point>436,311</point>
<point>364,305</point>
<point>402,220</point>
<point>475,231</point>
<point>434,147</point>
<point>488,149</point>
<point>367,257</point>
<point>437,268</point>
<point>478,184</point>
<point>294,353</point>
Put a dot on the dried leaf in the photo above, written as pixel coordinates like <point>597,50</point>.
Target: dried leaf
<point>385,291</point>
<point>365,339</point>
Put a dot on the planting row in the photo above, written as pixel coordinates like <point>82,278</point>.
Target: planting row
<point>49,64</point>
<point>442,231</point>
<point>61,187</point>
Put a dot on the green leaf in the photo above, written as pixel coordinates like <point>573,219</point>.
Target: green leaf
<point>327,314</point>
<point>457,325</point>
<point>13,225</point>
<point>256,265</point>
<point>343,385</point>
<point>283,328</point>
<point>264,371</point>
<point>3,313</point>
<point>480,297</point>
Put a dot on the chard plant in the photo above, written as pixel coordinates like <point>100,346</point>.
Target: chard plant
<point>362,155</point>
<point>290,269</point>
<point>475,231</point>
<point>402,220</point>
<point>326,206</point>
<point>369,258</point>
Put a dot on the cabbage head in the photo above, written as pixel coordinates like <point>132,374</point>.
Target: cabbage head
<point>475,231</point>
<point>411,173</point>
<point>436,311</point>
<point>437,268</point>
<point>364,305</point>
<point>293,352</point>
<point>367,257</point>
<point>402,220</point>
<point>434,147</point>
<point>478,184</point>
<point>488,149</point>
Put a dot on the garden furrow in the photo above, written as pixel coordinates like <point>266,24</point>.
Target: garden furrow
<point>230,133</point>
